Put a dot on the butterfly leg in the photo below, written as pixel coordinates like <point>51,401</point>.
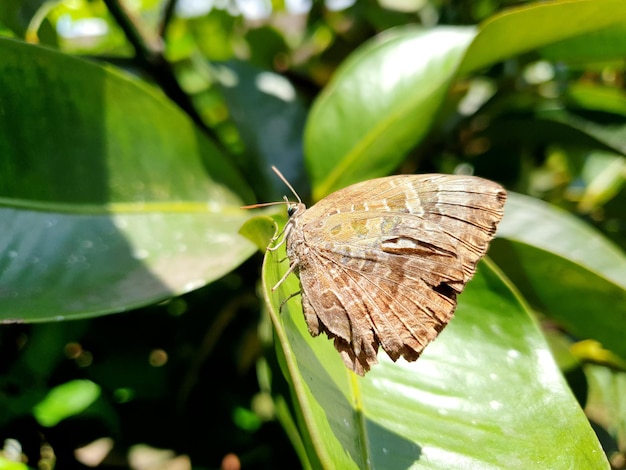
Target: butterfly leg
<point>291,269</point>
<point>274,248</point>
<point>282,304</point>
<point>284,232</point>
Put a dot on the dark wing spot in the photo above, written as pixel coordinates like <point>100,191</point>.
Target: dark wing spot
<point>445,290</point>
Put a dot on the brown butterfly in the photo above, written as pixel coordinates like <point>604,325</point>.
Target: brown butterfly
<point>381,262</point>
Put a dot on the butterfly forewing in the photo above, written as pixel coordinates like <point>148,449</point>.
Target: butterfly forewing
<point>381,262</point>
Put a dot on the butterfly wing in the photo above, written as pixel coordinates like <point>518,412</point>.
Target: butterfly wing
<point>381,262</point>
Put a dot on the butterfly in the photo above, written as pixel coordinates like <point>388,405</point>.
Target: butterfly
<point>381,262</point>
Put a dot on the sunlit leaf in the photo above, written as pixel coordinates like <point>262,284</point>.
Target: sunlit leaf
<point>489,376</point>
<point>534,25</point>
<point>380,103</point>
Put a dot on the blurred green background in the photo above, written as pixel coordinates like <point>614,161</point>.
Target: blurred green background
<point>135,325</point>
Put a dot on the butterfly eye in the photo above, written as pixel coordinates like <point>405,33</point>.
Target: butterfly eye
<point>291,210</point>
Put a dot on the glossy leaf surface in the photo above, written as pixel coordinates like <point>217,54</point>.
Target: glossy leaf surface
<point>489,377</point>
<point>117,202</point>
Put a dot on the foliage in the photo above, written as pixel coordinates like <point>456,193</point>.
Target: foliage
<point>131,134</point>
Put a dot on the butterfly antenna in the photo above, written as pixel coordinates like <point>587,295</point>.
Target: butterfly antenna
<point>286,201</point>
<point>264,204</point>
<point>280,175</point>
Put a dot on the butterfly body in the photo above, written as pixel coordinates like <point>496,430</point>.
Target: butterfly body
<point>381,262</point>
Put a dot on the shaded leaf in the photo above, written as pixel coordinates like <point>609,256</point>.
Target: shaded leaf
<point>119,201</point>
<point>565,268</point>
<point>611,135</point>
<point>18,14</point>
<point>59,266</point>
<point>606,405</point>
<point>269,113</point>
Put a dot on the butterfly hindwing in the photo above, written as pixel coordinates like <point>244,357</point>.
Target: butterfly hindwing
<point>381,262</point>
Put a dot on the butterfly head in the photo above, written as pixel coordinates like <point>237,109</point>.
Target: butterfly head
<point>291,209</point>
<point>294,209</point>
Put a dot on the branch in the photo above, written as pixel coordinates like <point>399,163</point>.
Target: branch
<point>149,53</point>
<point>168,12</point>
<point>146,48</point>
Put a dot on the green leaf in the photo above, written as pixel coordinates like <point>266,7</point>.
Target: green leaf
<point>6,464</point>
<point>612,135</point>
<point>61,266</point>
<point>259,231</point>
<point>213,33</point>
<point>597,98</point>
<point>565,268</point>
<point>605,44</point>
<point>605,175</point>
<point>66,400</point>
<point>113,198</point>
<point>383,99</point>
<point>18,14</point>
<point>485,394</point>
<point>536,25</point>
<point>606,405</point>
<point>380,103</point>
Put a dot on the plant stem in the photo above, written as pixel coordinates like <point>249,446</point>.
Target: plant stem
<point>168,12</point>
<point>149,50</point>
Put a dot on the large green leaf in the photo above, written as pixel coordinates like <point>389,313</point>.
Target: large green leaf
<point>110,197</point>
<point>485,394</point>
<point>383,99</point>
<point>537,25</point>
<point>380,103</point>
<point>565,269</point>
